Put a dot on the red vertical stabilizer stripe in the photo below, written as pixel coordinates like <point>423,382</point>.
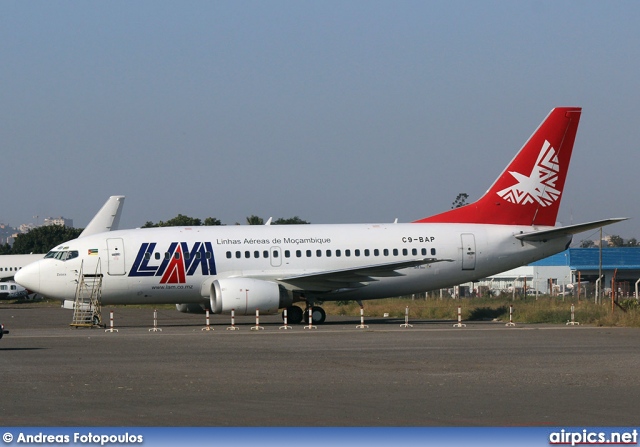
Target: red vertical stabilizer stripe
<point>529,190</point>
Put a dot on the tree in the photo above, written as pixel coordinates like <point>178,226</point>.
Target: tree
<point>255,220</point>
<point>43,239</point>
<point>183,221</point>
<point>587,244</point>
<point>633,242</point>
<point>295,220</point>
<point>211,221</point>
<point>616,241</point>
<point>461,200</point>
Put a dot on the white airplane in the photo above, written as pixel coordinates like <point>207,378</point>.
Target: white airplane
<point>11,291</point>
<point>107,219</point>
<point>270,267</point>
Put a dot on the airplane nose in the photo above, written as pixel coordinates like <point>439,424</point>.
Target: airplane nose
<point>29,277</point>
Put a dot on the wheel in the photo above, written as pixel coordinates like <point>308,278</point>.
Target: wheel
<point>318,315</point>
<point>294,315</point>
<point>96,320</point>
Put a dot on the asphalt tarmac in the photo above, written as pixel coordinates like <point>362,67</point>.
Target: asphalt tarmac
<point>432,374</point>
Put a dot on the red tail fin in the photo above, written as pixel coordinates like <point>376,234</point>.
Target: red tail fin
<point>529,190</point>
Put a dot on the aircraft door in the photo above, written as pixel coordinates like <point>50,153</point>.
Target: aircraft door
<point>468,251</point>
<point>276,257</point>
<point>115,250</point>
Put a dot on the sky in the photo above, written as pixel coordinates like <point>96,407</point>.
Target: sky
<point>333,111</point>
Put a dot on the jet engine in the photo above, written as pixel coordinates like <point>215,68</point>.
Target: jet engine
<point>245,295</point>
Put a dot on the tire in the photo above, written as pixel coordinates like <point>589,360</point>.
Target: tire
<point>318,314</point>
<point>294,315</point>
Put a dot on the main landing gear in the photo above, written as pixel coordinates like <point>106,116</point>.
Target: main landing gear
<point>295,315</point>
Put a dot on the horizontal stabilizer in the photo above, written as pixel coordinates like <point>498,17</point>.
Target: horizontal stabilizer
<point>545,235</point>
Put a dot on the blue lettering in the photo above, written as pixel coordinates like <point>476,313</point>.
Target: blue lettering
<point>201,254</point>
<point>141,265</point>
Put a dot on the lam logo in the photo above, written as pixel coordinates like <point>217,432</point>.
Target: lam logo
<point>540,185</point>
<point>174,265</point>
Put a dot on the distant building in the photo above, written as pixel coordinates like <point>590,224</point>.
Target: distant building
<point>569,270</point>
<point>25,228</point>
<point>58,221</point>
<point>8,234</point>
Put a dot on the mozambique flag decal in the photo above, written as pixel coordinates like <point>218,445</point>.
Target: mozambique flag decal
<point>93,251</point>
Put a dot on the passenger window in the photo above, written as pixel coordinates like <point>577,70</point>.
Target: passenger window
<point>338,253</point>
<point>275,253</point>
<point>265,253</point>
<point>228,255</point>
<point>319,253</point>
<point>347,252</point>
<point>433,252</point>
<point>328,253</point>
<point>405,252</point>
<point>247,254</point>
<point>386,252</point>
<point>187,255</point>
<point>176,255</point>
<point>357,252</point>
<point>366,252</point>
<point>256,254</point>
<point>424,252</point>
<point>198,255</point>
<point>308,253</point>
<point>395,252</point>
<point>287,254</point>
<point>167,255</point>
<point>157,255</point>
<point>208,255</point>
<point>414,251</point>
<point>238,255</point>
<point>298,254</point>
<point>376,252</point>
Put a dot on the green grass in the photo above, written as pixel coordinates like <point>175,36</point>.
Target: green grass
<point>527,310</point>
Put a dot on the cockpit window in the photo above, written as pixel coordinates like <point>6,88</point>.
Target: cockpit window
<point>62,255</point>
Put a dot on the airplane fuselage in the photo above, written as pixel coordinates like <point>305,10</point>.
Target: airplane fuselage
<point>177,265</point>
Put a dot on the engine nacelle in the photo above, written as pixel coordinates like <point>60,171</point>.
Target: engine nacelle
<point>245,295</point>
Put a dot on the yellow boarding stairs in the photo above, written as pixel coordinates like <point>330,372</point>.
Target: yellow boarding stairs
<point>87,310</point>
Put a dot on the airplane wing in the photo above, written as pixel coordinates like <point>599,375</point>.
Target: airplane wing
<point>545,235</point>
<point>353,277</point>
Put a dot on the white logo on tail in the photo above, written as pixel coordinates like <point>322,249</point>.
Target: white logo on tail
<point>540,186</point>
